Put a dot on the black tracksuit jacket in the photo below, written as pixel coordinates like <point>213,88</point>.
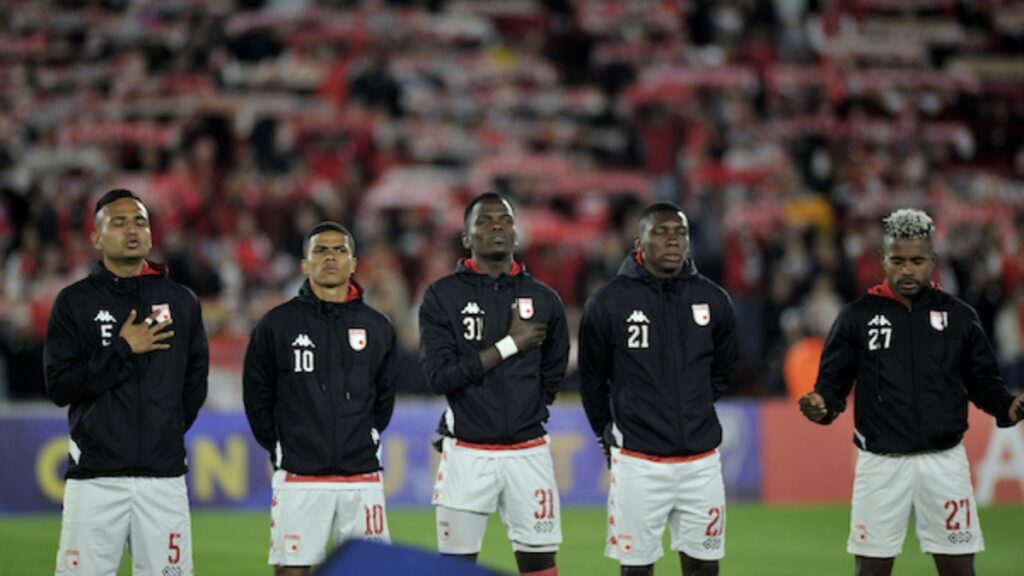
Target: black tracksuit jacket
<point>468,311</point>
<point>655,354</point>
<point>915,370</point>
<point>128,412</point>
<point>319,383</point>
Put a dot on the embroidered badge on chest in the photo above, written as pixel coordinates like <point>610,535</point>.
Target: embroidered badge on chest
<point>940,319</point>
<point>701,314</point>
<point>525,306</point>
<point>163,312</point>
<point>357,338</point>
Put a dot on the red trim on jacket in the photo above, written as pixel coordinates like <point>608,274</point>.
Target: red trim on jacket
<point>354,290</point>
<point>151,269</point>
<point>516,267</point>
<point>884,290</point>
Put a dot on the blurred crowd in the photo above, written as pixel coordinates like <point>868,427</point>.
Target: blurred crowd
<point>785,128</point>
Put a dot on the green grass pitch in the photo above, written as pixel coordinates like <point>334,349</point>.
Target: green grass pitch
<point>762,541</point>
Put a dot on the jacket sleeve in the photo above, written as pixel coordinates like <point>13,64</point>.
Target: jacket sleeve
<point>259,386</point>
<point>838,367</point>
<point>985,386</point>
<point>385,380</point>
<point>595,364</point>
<point>445,370</point>
<point>198,369</point>
<point>726,350</point>
<point>554,353</point>
<point>74,373</point>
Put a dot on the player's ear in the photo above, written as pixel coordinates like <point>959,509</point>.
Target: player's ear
<point>304,266</point>
<point>465,241</point>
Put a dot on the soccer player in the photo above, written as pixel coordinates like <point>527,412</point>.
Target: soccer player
<point>917,355</point>
<point>657,349</point>
<point>657,345</point>
<point>319,388</point>
<point>494,340</point>
<point>126,349</point>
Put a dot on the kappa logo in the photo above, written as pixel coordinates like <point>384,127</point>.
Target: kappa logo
<point>472,308</point>
<point>879,320</point>
<point>104,316</point>
<point>638,317</point>
<point>939,319</point>
<point>303,341</point>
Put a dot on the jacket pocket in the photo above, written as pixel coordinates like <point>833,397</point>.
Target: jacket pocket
<point>357,389</point>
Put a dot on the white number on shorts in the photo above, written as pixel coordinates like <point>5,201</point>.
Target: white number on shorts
<point>953,506</point>
<point>474,328</point>
<point>875,333</point>
<point>303,360</point>
<point>546,501</point>
<point>175,556</point>
<point>374,519</point>
<point>716,524</point>
<point>639,336</point>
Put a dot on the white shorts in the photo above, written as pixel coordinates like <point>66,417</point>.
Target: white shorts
<point>307,511</point>
<point>103,515</point>
<point>648,492</point>
<point>517,480</point>
<point>936,486</point>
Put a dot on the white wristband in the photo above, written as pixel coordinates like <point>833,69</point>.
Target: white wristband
<point>506,347</point>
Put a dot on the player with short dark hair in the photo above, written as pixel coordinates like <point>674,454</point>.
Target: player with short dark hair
<point>917,355</point>
<point>657,349</point>
<point>134,387</point>
<point>319,388</point>
<point>494,341</point>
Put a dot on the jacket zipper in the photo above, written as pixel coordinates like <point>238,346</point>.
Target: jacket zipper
<point>138,385</point>
<point>501,380</point>
<point>330,396</point>
<point>913,378</point>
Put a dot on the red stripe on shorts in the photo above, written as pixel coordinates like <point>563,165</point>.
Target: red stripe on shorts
<point>333,478</point>
<point>518,446</point>
<point>667,459</point>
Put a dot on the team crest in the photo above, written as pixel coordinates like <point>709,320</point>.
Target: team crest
<point>525,306</point>
<point>940,319</point>
<point>72,559</point>
<point>357,338</point>
<point>701,314</point>
<point>163,312</point>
